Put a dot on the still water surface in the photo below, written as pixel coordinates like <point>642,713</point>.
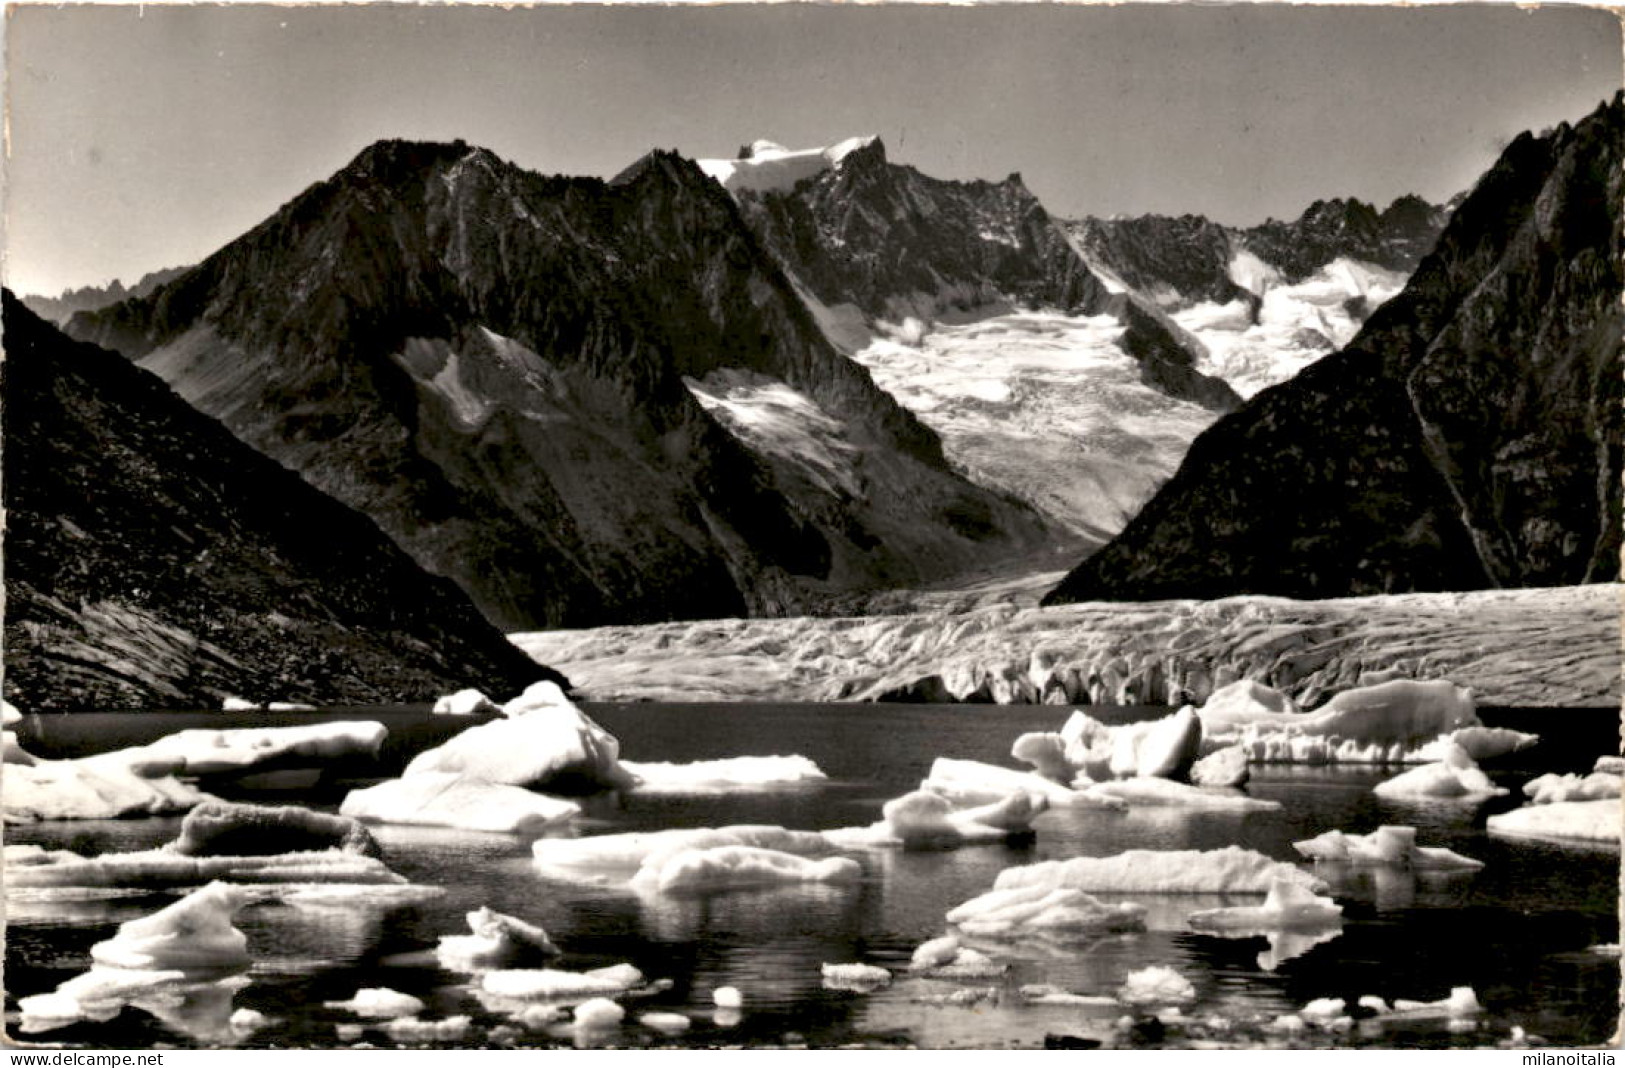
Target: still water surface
<point>1520,932</point>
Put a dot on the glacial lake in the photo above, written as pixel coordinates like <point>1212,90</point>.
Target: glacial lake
<point>1522,932</point>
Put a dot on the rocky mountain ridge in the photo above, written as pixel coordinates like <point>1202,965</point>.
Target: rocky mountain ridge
<point>154,561</point>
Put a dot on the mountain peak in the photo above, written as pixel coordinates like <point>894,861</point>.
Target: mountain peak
<point>768,167</point>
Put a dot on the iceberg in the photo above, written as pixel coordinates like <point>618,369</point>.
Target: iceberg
<point>1547,789</point>
<point>859,977</point>
<point>598,1014</point>
<point>1613,765</point>
<point>735,867</point>
<point>193,935</point>
<point>546,744</point>
<point>1156,985</point>
<point>158,869</point>
<point>465,703</point>
<point>719,776</point>
<point>727,997</point>
<point>1462,1002</point>
<point>1287,906</point>
<point>927,820</point>
<point>412,1029</point>
<point>548,984</point>
<point>971,782</point>
<point>1579,821</point>
<point>1164,748</point>
<point>1231,870</point>
<point>227,752</point>
<point>667,1023</point>
<point>452,799</point>
<point>225,828</point>
<point>497,940</point>
<point>1454,777</point>
<point>1225,766</point>
<point>379,1003</point>
<point>104,787</point>
<point>935,953</point>
<point>1015,912</point>
<point>625,853</point>
<point>1392,846</point>
<point>1153,791</point>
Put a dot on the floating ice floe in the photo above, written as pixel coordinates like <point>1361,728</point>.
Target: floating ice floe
<point>623,854</point>
<point>9,715</point>
<point>1047,994</point>
<point>177,956</point>
<point>465,703</point>
<point>549,984</point>
<point>1596,822</point>
<point>101,787</point>
<point>1462,1002</point>
<point>667,1023</point>
<point>1391,846</point>
<point>238,704</point>
<point>1225,766</point>
<point>1287,906</point>
<point>497,940</point>
<point>1046,911</point>
<point>226,828</point>
<point>379,1003</point>
<point>1092,751</point>
<point>935,953</point>
<point>1154,986</point>
<point>226,752</point>
<point>159,869</point>
<point>971,782</point>
<point>1392,722</point>
<point>412,1029</point>
<point>727,997</point>
<point>546,744</point>
<point>737,867</point>
<point>1547,789</point>
<point>928,820</point>
<point>859,977</point>
<point>1229,870</point>
<point>1454,777</point>
<point>1154,792</point>
<point>1613,765</point>
<point>598,1014</point>
<point>452,799</point>
<point>722,776</point>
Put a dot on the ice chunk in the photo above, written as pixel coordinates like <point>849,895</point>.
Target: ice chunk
<point>1164,747</point>
<point>970,782</point>
<point>1226,766</point>
<point>1047,753</point>
<point>1480,743</point>
<point>363,895</point>
<point>1323,1009</point>
<point>1288,1024</point>
<point>548,984</point>
<point>1547,789</point>
<point>159,869</point>
<point>1176,871</point>
<point>497,940</point>
<point>412,1029</point>
<point>598,1014</point>
<point>1232,707</point>
<point>9,716</point>
<point>450,799</point>
<point>1015,912</point>
<point>209,752</point>
<point>465,703</point>
<point>1156,985</point>
<point>1401,710</point>
<point>94,788</point>
<point>379,1003</point>
<point>630,851</point>
<point>1047,994</point>
<point>247,1020</point>
<point>1374,1003</point>
<point>1462,1002</point>
<point>927,820</point>
<point>1152,791</point>
<point>548,744</point>
<point>194,934</point>
<point>1455,776</point>
<point>667,1023</point>
<point>1391,846</point>
<point>859,977</point>
<point>1287,906</point>
<point>1613,765</point>
<point>733,867</point>
<point>225,828</point>
<point>238,704</point>
<point>1586,821</point>
<point>935,953</point>
<point>717,776</point>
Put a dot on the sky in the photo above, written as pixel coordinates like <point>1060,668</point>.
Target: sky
<point>145,137</point>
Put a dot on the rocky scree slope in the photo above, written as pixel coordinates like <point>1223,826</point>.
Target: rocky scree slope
<point>152,560</point>
<point>494,365</point>
<point>1468,438</point>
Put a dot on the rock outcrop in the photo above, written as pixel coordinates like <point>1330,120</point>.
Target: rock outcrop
<point>152,560</point>
<point>495,366</point>
<point>1469,437</point>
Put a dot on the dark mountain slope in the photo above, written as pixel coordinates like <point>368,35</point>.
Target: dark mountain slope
<point>1469,437</point>
<point>152,560</point>
<point>496,367</point>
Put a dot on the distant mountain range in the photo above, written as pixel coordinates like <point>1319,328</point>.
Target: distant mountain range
<point>60,309</point>
<point>1469,437</point>
<point>154,561</point>
<point>505,371</point>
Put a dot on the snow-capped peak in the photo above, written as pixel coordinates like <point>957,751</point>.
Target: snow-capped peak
<point>770,167</point>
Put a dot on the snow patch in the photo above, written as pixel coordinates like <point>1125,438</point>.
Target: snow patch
<point>778,419</point>
<point>772,168</point>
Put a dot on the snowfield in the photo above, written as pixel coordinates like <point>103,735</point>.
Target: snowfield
<point>1527,648</point>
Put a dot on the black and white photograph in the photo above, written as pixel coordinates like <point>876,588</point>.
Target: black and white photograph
<point>833,526</point>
